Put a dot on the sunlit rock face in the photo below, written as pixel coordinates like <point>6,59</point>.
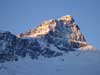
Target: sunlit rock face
<point>63,27</point>
<point>62,31</point>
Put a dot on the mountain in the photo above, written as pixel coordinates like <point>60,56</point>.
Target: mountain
<point>55,47</point>
<point>60,32</point>
<point>50,39</point>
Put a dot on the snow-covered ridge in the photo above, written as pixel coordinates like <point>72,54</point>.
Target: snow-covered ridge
<point>50,39</point>
<point>57,47</point>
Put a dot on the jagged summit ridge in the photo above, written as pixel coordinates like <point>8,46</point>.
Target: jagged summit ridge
<point>50,39</point>
<point>64,24</point>
<point>63,28</point>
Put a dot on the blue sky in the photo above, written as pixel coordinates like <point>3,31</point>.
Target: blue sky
<point>20,15</point>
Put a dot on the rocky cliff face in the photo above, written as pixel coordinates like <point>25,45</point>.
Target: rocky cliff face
<point>64,25</point>
<point>62,31</point>
<point>51,38</point>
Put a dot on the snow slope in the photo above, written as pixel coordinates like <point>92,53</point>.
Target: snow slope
<point>72,63</point>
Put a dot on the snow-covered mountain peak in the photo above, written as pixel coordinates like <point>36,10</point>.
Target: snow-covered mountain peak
<point>67,19</point>
<point>46,26</point>
<point>50,39</point>
<point>59,39</point>
<point>63,29</point>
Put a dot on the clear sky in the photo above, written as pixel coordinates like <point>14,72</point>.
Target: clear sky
<point>20,15</point>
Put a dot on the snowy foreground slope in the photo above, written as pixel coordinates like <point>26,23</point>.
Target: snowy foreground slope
<point>72,63</point>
